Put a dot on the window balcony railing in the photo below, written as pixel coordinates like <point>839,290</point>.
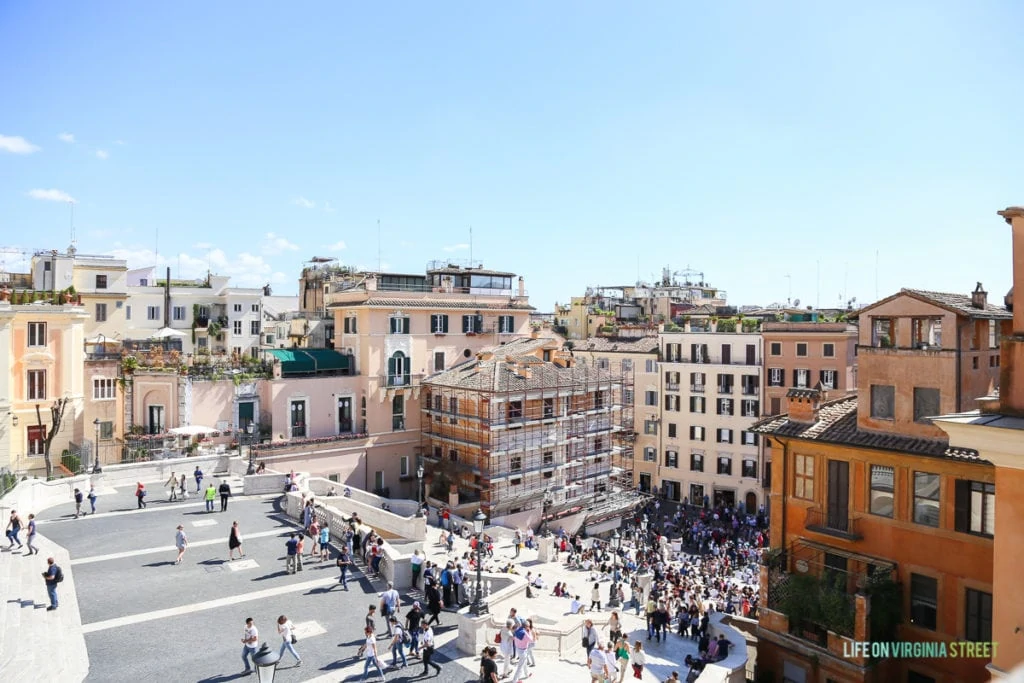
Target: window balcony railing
<point>833,523</point>
<point>400,380</point>
<point>725,389</point>
<point>672,386</point>
<point>697,388</point>
<point>750,391</point>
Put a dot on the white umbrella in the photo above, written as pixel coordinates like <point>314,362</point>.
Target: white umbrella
<point>167,332</point>
<point>191,430</point>
<point>100,339</point>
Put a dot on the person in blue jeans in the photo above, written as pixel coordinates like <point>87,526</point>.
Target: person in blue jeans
<point>343,564</point>
<point>397,643</point>
<point>249,639</point>
<point>52,576</point>
<point>369,652</point>
<point>198,474</point>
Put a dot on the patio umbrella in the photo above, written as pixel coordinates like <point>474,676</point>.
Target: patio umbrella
<point>100,339</point>
<point>167,333</point>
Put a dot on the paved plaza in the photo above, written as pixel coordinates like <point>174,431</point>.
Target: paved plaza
<point>145,618</point>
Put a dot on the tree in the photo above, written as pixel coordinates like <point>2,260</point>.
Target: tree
<point>56,418</point>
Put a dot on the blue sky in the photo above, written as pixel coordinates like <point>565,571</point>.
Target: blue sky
<point>584,142</point>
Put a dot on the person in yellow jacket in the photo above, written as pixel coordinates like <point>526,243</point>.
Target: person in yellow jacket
<point>211,495</point>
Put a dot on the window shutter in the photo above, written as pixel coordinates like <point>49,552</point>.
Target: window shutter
<point>704,353</point>
<point>405,326</point>
<point>962,516</point>
<point>392,366</point>
<point>465,324</point>
<point>796,375</point>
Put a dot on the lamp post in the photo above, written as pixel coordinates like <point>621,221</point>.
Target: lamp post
<point>547,505</point>
<point>479,608</point>
<point>616,542</point>
<point>419,490</point>
<point>96,459</point>
<point>266,661</point>
<point>247,436</point>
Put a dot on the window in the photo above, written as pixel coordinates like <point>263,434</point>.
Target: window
<point>975,508</point>
<point>236,351</point>
<point>439,323</point>
<point>398,370</point>
<point>802,378</point>
<point>399,324</point>
<point>697,382</point>
<point>724,406</point>
<point>37,334</point>
<point>626,365</point>
<point>750,438</point>
<point>926,403</point>
<point>103,388</point>
<point>453,408</point>
<point>127,312</point>
<point>883,398</point>
<point>36,385</point>
<point>671,459</point>
<point>298,419</point>
<point>650,398</point>
<point>926,332</point>
<point>696,462</point>
<point>993,334</point>
<point>881,493</point>
<point>650,427</point>
<point>178,313</point>
<point>516,463</point>
<point>696,433</point>
<point>438,361</point>
<point>926,498</point>
<point>506,324</point>
<point>725,465</point>
<point>776,406</point>
<point>724,435</point>
<point>254,328</point>
<point>548,408</point>
<point>548,458</point>
<point>515,410</point>
<point>36,439</point>
<point>472,324</point>
<point>776,377</point>
<point>106,430</point>
<point>236,327</point>
<point>398,413</point>
<point>725,384</point>
<point>238,308</point>
<point>698,404</point>
<point>828,350</point>
<point>403,466</point>
<point>776,349</point>
<point>101,313</point>
<point>726,354</point>
<point>924,601</point>
<point>828,379</point>
<point>650,365</point>
<point>801,348</point>
<point>650,454</point>
<point>255,308</point>
<point>750,385</point>
<point>977,616</point>
<point>699,353</point>
<point>749,408</point>
<point>882,332</point>
<point>101,282</point>
<point>350,325</point>
<point>152,313</point>
<point>749,469</point>
<point>671,430</point>
<point>672,402</point>
<point>803,483</point>
<point>378,480</point>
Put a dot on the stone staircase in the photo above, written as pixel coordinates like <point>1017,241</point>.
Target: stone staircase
<point>37,644</point>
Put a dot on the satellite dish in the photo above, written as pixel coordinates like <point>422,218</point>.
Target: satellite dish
<point>796,303</point>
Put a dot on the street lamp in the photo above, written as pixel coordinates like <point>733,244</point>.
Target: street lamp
<point>479,608</point>
<point>96,460</point>
<point>247,436</point>
<point>419,490</point>
<point>266,663</point>
<point>616,542</point>
<point>643,525</point>
<point>546,504</point>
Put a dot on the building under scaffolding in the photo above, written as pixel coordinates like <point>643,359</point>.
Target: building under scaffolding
<point>526,419</point>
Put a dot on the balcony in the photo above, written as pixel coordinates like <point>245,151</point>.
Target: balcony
<point>751,390</point>
<point>838,525</point>
<point>399,381</point>
<point>725,388</point>
<point>672,386</point>
<point>697,388</point>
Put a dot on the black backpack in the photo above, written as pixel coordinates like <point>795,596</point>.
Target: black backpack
<point>59,577</point>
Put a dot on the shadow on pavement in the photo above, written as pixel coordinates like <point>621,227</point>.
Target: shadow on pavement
<point>270,576</point>
<point>168,563</point>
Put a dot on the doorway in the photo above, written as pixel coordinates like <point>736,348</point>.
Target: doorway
<point>345,422</point>
<point>751,502</point>
<point>838,495</point>
<point>156,419</point>
<point>725,498</point>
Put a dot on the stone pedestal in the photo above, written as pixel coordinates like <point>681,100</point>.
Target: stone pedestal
<point>645,581</point>
<point>546,549</point>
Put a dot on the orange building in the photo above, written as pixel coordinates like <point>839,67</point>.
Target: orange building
<point>801,354</point>
<point>882,532</point>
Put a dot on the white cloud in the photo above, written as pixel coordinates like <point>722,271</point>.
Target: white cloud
<point>328,208</point>
<point>244,269</point>
<point>66,137</point>
<point>337,246</point>
<point>304,203</point>
<point>52,196</point>
<point>456,247</point>
<point>273,244</point>
<point>16,145</point>
<point>102,154</point>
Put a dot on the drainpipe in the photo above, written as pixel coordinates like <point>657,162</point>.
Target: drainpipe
<point>167,298</point>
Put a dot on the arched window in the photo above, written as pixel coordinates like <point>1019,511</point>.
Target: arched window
<point>398,370</point>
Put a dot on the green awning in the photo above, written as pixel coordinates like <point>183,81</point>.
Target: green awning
<point>310,361</point>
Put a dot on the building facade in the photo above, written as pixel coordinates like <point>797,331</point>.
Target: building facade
<point>800,355</point>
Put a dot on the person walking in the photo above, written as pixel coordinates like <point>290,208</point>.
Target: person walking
<point>300,542</point>
<point>140,494</point>
<point>399,638</point>
<point>198,474</point>
<point>235,542</point>
<point>370,653</point>
<point>13,529</point>
<point>292,548</point>
<point>225,492</point>
<point>413,619</point>
<point>172,488</point>
<point>522,640</point>
<point>389,604</point>
<point>31,536</point>
<point>250,636</point>
<point>622,657</point>
<point>434,604</point>
<point>590,636</point>
<point>507,646</point>
<point>427,647</point>
<point>79,499</point>
<point>53,575</point>
<point>210,496</point>
<point>488,667</point>
<point>417,565</point>
<point>314,535</point>
<point>343,562</point>
<point>183,486</point>
<point>92,499</point>
<point>595,597</point>
<point>325,541</point>
<point>639,659</point>
<point>599,669</point>
<point>181,543</point>
<point>287,630</point>
<point>533,641</point>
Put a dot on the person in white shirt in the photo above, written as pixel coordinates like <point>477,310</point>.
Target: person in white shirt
<point>287,629</point>
<point>370,653</point>
<point>249,639</point>
<point>427,648</point>
<point>575,607</point>
<point>598,664</point>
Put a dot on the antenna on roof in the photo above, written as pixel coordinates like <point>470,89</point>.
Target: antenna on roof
<point>156,247</point>
<point>876,275</point>
<point>471,246</point>
<point>72,206</point>
<point>378,245</point>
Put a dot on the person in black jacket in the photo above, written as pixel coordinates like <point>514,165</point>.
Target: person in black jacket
<point>225,493</point>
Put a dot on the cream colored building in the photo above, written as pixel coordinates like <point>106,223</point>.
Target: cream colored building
<point>102,282</point>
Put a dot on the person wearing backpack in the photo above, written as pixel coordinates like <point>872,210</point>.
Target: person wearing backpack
<point>53,575</point>
<point>521,640</point>
<point>399,639</point>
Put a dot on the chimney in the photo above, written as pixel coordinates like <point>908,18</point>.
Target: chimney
<point>803,404</point>
<point>522,286</point>
<point>1011,356</point>
<point>979,297</point>
<point>371,283</point>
